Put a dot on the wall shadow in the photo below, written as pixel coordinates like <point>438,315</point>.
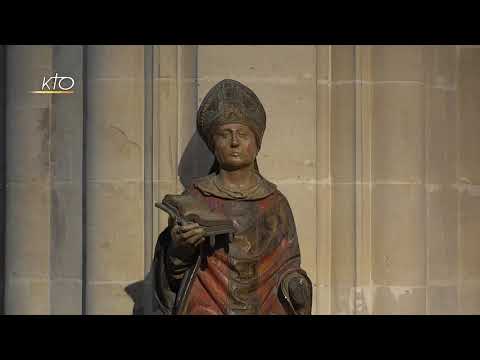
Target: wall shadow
<point>196,160</point>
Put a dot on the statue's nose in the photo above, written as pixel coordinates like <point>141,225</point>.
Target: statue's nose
<point>235,140</point>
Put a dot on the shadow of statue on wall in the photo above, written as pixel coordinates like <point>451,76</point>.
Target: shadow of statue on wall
<point>196,161</point>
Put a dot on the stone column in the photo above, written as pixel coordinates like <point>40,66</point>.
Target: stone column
<point>114,176</point>
<point>440,181</point>
<point>468,179</point>
<point>405,200</point>
<point>28,197</point>
<point>66,185</point>
<point>343,177</point>
<point>390,211</point>
<point>323,166</point>
<point>44,166</point>
<point>2,176</point>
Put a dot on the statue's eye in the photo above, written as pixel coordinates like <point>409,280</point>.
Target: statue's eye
<point>221,134</point>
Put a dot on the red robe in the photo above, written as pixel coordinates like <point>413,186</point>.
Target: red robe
<point>246,278</point>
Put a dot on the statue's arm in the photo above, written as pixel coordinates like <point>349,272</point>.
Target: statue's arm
<point>168,268</point>
<point>295,289</point>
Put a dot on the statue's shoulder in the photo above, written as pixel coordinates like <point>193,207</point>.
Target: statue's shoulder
<point>205,184</point>
<point>279,197</point>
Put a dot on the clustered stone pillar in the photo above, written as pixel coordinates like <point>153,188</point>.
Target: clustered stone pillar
<point>114,176</point>
<point>28,205</point>
<point>342,177</point>
<point>44,191</point>
<point>468,179</point>
<point>67,193</point>
<point>2,176</point>
<point>397,86</point>
<point>407,234</point>
<point>66,148</point>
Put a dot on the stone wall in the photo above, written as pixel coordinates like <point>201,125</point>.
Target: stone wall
<point>2,176</point>
<point>375,147</point>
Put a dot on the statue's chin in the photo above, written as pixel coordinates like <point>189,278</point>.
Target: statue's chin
<point>233,166</point>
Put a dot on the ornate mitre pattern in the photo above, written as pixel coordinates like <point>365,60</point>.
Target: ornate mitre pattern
<point>230,101</point>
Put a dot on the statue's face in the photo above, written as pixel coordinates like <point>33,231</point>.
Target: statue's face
<point>235,146</point>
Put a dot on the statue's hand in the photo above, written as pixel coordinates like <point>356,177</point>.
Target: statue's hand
<point>189,235</point>
<point>298,292</point>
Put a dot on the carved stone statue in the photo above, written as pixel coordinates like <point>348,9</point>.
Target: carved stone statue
<point>231,245</point>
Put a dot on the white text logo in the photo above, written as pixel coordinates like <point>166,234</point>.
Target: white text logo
<point>56,85</point>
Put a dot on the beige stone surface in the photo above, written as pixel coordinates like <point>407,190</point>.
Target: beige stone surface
<point>470,298</point>
<point>114,167</point>
<point>68,58</point>
<point>188,63</point>
<point>470,230</point>
<point>273,64</point>
<point>363,235</point>
<point>67,117</point>
<point>28,230</point>
<point>441,138</point>
<point>343,300</point>
<point>167,134</point>
<point>66,159</point>
<point>443,300</point>
<point>442,227</point>
<point>399,301</point>
<point>324,235</point>
<point>323,300</point>
<point>314,300</point>
<point>28,144</point>
<point>323,133</point>
<point>444,65</point>
<point>398,131</point>
<point>398,235</point>
<point>108,299</point>
<point>363,300</point>
<point>469,110</point>
<point>323,62</point>
<point>343,235</point>
<point>66,297</point>
<point>285,105</point>
<point>27,65</point>
<point>166,60</point>
<point>397,63</point>
<point>187,97</point>
<point>66,231</point>
<point>115,231</point>
<point>281,135</point>
<point>115,61</point>
<point>27,297</point>
<point>343,63</point>
<point>115,130</point>
<point>343,133</point>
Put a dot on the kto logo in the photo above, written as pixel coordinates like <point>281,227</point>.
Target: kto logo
<point>56,85</point>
